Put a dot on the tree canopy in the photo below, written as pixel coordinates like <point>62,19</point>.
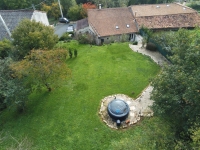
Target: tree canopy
<point>177,88</point>
<point>43,68</point>
<point>12,90</point>
<point>30,35</point>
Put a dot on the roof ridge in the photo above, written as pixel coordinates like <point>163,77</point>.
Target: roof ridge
<point>18,10</point>
<point>109,8</point>
<point>170,14</point>
<point>185,6</point>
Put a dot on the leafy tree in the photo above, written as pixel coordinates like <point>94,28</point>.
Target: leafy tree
<point>176,89</point>
<point>136,2</point>
<point>195,136</point>
<point>14,4</point>
<point>148,33</point>
<point>81,1</point>
<point>43,68</point>
<point>12,90</point>
<point>66,5</point>
<point>30,35</point>
<point>5,48</point>
<point>86,6</point>
<point>55,10</point>
<point>111,3</point>
<point>74,12</point>
<point>46,8</point>
<point>18,4</point>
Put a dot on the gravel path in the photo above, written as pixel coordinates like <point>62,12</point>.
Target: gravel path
<point>155,55</point>
<point>144,98</point>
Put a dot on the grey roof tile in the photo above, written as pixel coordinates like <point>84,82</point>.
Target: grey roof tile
<point>12,19</point>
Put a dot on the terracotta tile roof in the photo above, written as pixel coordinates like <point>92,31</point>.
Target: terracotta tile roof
<point>81,24</point>
<point>160,9</point>
<point>105,21</point>
<point>12,18</point>
<point>162,16</point>
<point>170,21</point>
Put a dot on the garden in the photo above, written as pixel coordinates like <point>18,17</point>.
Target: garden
<point>67,117</point>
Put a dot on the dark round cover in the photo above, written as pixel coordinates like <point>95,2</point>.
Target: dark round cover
<point>118,109</point>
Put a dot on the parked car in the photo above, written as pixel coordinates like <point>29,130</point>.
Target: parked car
<point>63,20</point>
<point>70,28</point>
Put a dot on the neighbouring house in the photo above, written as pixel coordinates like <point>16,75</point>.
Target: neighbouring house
<point>13,17</point>
<point>116,23</point>
<point>112,24</point>
<point>165,16</point>
<point>82,26</point>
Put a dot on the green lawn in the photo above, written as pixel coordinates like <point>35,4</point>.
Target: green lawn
<point>67,118</point>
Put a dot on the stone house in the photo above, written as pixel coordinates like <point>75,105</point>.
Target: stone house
<point>13,17</point>
<point>116,23</point>
<point>165,16</point>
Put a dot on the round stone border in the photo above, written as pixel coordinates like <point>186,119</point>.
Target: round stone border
<point>138,109</point>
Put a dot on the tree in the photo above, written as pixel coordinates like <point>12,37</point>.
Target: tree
<point>148,33</point>
<point>55,10</point>
<point>5,48</point>
<point>66,5</point>
<point>136,2</point>
<point>176,89</point>
<point>17,4</point>
<point>12,90</point>
<point>30,35</point>
<point>74,12</point>
<point>86,6</point>
<point>43,68</point>
<point>46,8</point>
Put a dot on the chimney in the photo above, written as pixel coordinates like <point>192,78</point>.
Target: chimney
<point>184,3</point>
<point>99,6</point>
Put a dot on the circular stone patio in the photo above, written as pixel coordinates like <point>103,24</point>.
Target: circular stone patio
<point>138,109</point>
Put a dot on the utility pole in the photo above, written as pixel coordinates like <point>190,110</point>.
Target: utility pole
<point>60,8</point>
<point>5,25</point>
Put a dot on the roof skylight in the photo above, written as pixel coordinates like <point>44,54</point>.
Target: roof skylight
<point>127,25</point>
<point>117,27</point>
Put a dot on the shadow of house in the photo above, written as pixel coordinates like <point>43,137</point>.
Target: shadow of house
<point>13,17</point>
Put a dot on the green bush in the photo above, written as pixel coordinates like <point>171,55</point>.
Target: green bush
<point>65,37</point>
<point>135,43</point>
<point>151,46</point>
<point>85,38</point>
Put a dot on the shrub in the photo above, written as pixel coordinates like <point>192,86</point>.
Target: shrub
<point>75,53</point>
<point>135,43</point>
<point>85,38</point>
<point>151,46</point>
<point>65,37</point>
<point>70,53</point>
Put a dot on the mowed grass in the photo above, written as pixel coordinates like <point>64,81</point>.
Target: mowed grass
<point>67,118</point>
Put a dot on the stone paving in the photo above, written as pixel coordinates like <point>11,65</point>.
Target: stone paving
<point>138,107</point>
<point>154,55</point>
